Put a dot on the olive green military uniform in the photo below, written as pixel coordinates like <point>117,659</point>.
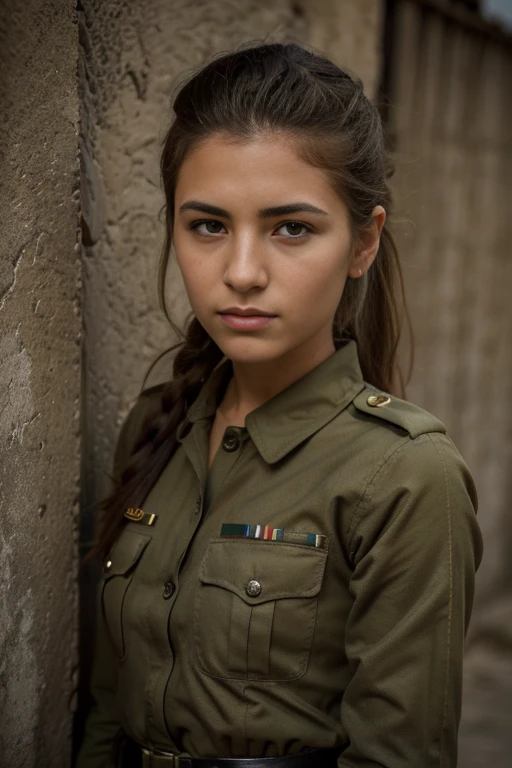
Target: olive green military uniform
<point>218,643</point>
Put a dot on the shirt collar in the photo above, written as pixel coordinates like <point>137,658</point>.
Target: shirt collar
<point>294,414</point>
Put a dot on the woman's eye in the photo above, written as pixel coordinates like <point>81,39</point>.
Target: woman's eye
<point>211,225</point>
<point>293,226</point>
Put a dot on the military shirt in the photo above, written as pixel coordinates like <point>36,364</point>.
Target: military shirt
<point>311,589</point>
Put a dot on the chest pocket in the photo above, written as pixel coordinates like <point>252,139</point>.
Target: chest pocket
<point>255,608</point>
<point>118,571</point>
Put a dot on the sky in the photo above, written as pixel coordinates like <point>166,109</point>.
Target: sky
<point>501,8</point>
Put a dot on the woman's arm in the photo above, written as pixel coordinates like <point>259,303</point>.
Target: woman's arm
<point>415,547</point>
<point>103,724</point>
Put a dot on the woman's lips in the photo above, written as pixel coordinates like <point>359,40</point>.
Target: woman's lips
<point>247,322</point>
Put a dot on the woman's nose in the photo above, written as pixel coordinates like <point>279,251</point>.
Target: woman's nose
<point>245,268</point>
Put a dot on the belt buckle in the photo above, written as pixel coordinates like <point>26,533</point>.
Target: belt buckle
<point>150,759</point>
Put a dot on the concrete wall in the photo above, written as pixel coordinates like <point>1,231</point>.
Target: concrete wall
<point>451,118</point>
<point>39,381</point>
<point>112,64</point>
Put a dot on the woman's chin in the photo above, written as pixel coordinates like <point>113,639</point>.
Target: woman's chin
<point>250,350</point>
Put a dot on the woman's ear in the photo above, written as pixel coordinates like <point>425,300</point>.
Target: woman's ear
<point>367,248</point>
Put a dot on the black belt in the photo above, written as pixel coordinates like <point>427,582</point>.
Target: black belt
<point>132,755</point>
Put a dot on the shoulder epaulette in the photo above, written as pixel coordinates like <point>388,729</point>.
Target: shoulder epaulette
<point>382,405</point>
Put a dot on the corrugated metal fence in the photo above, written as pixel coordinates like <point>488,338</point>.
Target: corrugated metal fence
<point>449,80</point>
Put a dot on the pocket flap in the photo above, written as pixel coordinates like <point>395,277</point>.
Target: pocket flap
<point>281,569</point>
<point>126,553</point>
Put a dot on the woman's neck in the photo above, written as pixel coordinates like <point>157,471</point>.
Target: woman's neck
<point>252,384</point>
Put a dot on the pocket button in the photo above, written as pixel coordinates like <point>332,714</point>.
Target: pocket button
<point>253,588</point>
<point>169,588</point>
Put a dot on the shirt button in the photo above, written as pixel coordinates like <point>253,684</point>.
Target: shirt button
<point>169,588</point>
<point>253,588</point>
<point>230,442</point>
<point>198,504</point>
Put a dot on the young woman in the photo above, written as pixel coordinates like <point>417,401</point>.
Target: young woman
<point>290,548</point>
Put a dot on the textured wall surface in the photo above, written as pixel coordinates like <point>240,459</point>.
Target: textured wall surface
<point>451,119</point>
<point>39,381</point>
<point>349,32</point>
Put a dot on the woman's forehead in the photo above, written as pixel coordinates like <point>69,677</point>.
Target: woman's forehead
<point>263,171</point>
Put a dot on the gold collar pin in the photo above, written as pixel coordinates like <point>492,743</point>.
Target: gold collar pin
<point>139,516</point>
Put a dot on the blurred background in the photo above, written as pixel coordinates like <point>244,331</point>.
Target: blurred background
<point>85,102</point>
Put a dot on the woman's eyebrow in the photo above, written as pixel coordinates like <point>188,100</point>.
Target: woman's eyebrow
<point>264,213</point>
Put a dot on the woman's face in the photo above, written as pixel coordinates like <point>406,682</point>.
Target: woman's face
<point>236,249</point>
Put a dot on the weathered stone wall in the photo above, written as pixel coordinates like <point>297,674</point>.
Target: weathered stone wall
<point>39,381</point>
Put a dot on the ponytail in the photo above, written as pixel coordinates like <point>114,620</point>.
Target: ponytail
<point>372,312</point>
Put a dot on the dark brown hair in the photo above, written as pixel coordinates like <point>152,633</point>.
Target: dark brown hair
<point>289,90</point>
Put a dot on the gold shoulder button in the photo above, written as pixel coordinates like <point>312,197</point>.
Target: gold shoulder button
<point>377,401</point>
<point>392,410</point>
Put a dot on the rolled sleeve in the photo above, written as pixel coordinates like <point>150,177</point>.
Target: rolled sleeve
<point>415,545</point>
